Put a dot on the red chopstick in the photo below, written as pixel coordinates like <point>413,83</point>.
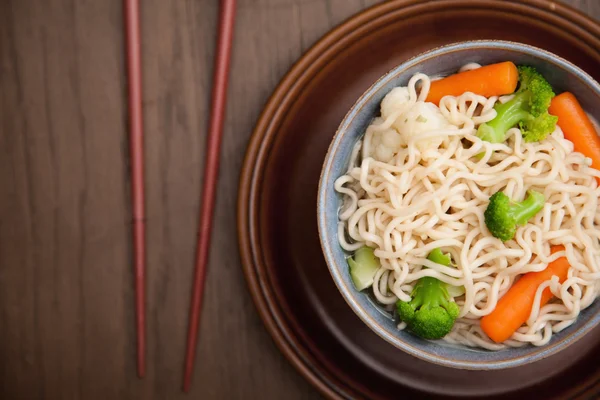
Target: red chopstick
<point>136,153</point>
<point>211,169</point>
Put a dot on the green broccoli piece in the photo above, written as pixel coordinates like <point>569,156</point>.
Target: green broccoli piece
<point>530,80</point>
<point>438,257</point>
<point>502,216</point>
<point>430,314</point>
<point>528,109</point>
<point>363,266</point>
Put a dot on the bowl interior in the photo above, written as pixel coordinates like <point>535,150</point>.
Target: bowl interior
<point>562,75</point>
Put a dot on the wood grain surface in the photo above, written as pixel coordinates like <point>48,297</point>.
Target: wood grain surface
<point>66,283</point>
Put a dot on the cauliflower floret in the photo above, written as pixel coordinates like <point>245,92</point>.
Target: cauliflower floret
<point>414,120</point>
<point>389,144</point>
<point>394,100</point>
<point>384,144</point>
<point>422,118</point>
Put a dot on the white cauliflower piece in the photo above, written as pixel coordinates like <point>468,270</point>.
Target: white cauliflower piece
<point>414,120</point>
<point>383,145</point>
<point>394,101</point>
<point>389,143</point>
<point>422,118</point>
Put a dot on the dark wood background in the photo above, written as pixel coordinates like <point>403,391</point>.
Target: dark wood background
<point>66,298</point>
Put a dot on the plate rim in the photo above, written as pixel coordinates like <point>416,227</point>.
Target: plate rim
<point>263,134</point>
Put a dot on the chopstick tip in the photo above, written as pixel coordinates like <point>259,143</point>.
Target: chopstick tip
<point>141,371</point>
<point>186,386</point>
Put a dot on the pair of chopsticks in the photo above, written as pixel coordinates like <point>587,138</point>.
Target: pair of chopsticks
<point>211,168</point>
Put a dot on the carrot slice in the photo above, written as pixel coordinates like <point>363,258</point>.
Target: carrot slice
<point>576,126</point>
<point>514,308</point>
<point>490,80</point>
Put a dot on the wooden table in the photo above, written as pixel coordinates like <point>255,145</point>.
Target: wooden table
<point>66,298</point>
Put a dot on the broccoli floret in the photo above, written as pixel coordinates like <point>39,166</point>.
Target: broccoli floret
<point>429,314</point>
<point>536,129</point>
<point>438,257</point>
<point>528,109</point>
<point>530,80</point>
<point>502,216</point>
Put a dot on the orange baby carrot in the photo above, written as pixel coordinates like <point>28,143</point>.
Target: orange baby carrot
<point>576,126</point>
<point>490,80</point>
<point>514,308</point>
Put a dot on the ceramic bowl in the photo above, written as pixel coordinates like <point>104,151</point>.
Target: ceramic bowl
<point>444,60</point>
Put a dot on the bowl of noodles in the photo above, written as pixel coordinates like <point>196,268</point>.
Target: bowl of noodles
<point>458,205</point>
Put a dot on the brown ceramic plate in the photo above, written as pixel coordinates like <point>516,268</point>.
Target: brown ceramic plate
<point>281,254</point>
